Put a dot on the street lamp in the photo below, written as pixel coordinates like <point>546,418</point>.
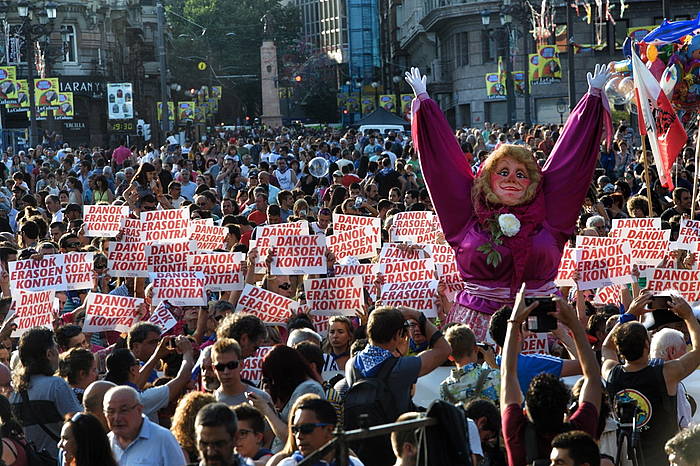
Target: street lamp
<point>502,36</point>
<point>375,86</point>
<point>397,89</point>
<point>561,108</point>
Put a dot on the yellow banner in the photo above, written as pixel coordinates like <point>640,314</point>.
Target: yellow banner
<point>22,98</point>
<point>388,102</point>
<point>171,111</point>
<point>367,104</point>
<point>185,111</point>
<point>46,94</point>
<point>216,92</point>
<point>353,103</point>
<point>519,82</point>
<point>66,106</point>
<point>638,33</point>
<point>8,85</point>
<point>494,88</point>
<point>406,100</point>
<point>533,68</point>
<point>549,65</point>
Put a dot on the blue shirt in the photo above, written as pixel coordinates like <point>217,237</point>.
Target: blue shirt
<point>530,365</point>
<point>154,445</point>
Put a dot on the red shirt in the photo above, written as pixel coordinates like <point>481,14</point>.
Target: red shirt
<point>257,216</point>
<point>349,179</point>
<point>585,418</point>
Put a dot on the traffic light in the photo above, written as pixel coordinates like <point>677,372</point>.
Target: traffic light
<point>146,132</point>
<point>139,127</point>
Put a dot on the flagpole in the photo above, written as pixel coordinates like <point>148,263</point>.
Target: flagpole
<point>646,174</point>
<point>695,172</point>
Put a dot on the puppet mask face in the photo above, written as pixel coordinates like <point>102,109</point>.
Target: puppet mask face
<point>509,181</point>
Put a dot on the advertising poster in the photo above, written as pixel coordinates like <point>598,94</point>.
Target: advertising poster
<point>216,92</point>
<point>406,100</point>
<point>46,94</point>
<point>66,107</point>
<point>353,103</point>
<point>171,111</point>
<point>494,88</point>
<point>367,104</point>
<point>22,104</point>
<point>120,101</point>
<point>185,111</point>
<point>519,82</point>
<point>533,69</point>
<point>388,102</point>
<point>8,85</point>
<point>549,65</point>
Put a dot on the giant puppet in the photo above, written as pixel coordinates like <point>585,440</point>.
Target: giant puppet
<point>510,222</point>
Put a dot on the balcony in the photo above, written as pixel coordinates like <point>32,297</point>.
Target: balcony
<point>438,11</point>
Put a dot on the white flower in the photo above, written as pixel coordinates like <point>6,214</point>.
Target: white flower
<point>509,223</point>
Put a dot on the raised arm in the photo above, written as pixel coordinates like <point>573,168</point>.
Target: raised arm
<point>446,172</point>
<point>568,171</point>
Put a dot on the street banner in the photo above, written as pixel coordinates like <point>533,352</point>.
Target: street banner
<point>567,267</point>
<point>131,230</point>
<point>270,307</point>
<point>162,317</point>
<point>344,222</point>
<point>216,92</point>
<point>340,100</point>
<point>396,252</point>
<point>608,295</point>
<point>353,103</point>
<point>334,296</point>
<point>408,271</point>
<point>185,111</point>
<point>549,65</point>
<point>406,100</point>
<point>33,309</point>
<point>22,104</point>
<point>120,101</point>
<point>419,295</point>
<point>388,102</point>
<point>533,69</point>
<point>66,106</point>
<point>127,259</point>
<point>360,243</point>
<point>686,282</point>
<point>604,266</point>
<point>519,83</point>
<point>47,273</point>
<point>46,94</point>
<point>169,257</point>
<point>103,220</point>
<point>368,272</point>
<point>494,88</point>
<point>367,104</point>
<point>105,312</point>
<point>179,288</point>
<point>8,85</point>
<point>299,255</point>
<point>222,270</point>
<point>251,368</point>
<point>207,237</point>
<point>407,225</point>
<point>164,225</point>
<point>78,267</point>
<point>171,110</point>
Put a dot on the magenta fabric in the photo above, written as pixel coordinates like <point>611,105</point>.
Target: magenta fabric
<point>566,178</point>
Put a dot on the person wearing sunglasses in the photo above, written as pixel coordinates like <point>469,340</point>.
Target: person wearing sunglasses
<point>226,361</point>
<point>280,284</point>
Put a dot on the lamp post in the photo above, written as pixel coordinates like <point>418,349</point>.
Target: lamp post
<point>375,86</point>
<point>502,36</point>
<point>561,108</point>
<point>397,92</point>
<point>30,33</point>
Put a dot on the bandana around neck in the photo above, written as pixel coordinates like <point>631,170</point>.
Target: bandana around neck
<point>370,359</point>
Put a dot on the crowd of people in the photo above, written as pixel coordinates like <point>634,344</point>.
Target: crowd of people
<point>175,397</point>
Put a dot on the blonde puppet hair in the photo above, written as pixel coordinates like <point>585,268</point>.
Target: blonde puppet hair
<point>482,183</point>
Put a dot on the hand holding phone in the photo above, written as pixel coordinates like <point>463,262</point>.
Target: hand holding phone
<point>539,320</point>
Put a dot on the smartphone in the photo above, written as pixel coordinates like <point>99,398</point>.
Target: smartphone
<point>484,346</point>
<point>539,321</point>
<point>659,303</point>
<point>664,316</point>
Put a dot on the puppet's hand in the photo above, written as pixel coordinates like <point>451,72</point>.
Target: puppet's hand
<point>599,77</point>
<point>416,81</point>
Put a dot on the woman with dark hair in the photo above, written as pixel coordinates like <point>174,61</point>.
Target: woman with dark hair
<point>75,190</point>
<point>102,194</point>
<point>79,368</point>
<point>145,179</point>
<point>85,443</point>
<point>339,194</point>
<point>13,443</point>
<point>286,377</point>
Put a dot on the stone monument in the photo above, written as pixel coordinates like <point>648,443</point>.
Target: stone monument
<point>268,72</point>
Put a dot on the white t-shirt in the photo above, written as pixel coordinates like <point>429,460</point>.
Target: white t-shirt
<point>474,439</point>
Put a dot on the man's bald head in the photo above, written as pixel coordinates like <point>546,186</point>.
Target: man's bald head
<point>94,394</point>
<point>121,393</point>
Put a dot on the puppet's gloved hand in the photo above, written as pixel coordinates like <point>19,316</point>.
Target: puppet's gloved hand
<point>600,76</point>
<point>416,81</point>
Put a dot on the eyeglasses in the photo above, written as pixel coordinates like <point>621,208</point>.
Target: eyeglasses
<point>306,429</point>
<point>120,411</point>
<point>229,365</point>
<point>284,286</point>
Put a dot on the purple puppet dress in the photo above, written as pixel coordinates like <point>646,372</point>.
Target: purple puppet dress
<point>547,221</point>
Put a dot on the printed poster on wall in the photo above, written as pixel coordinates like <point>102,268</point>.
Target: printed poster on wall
<point>46,94</point>
<point>388,102</point>
<point>65,106</point>
<point>8,86</point>
<point>22,104</point>
<point>549,66</point>
<point>120,101</point>
<point>185,111</point>
<point>494,88</point>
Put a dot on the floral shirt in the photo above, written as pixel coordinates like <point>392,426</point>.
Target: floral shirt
<point>461,385</point>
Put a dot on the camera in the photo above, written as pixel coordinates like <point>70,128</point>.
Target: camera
<point>539,320</point>
<point>659,306</point>
<point>358,202</point>
<point>659,302</point>
<point>626,411</point>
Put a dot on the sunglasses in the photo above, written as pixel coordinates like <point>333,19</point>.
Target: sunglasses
<point>284,286</point>
<point>306,429</point>
<point>229,365</point>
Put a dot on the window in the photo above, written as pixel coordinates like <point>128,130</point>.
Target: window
<point>488,48</point>
<point>462,48</point>
<point>621,26</point>
<point>70,43</point>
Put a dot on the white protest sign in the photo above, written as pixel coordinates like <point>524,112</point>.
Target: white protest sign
<point>222,270</point>
<point>408,271</point>
<point>165,225</point>
<point>394,252</point>
<point>298,255</point>
<point>440,253</point>
<point>168,257</point>
<point>534,343</point>
<point>595,241</point>
<point>689,231</point>
<point>567,268</point>
<point>686,282</point>
<point>207,237</point>
<point>450,276</point>
<point>104,220</point>
<point>38,275</point>
<point>345,222</point>
<point>162,317</point>
<point>78,267</point>
<point>608,295</point>
<point>419,295</point>
<point>636,223</point>
<point>251,368</point>
<point>334,295</point>
<point>264,235</point>
<point>110,312</point>
<point>407,225</point>
<point>368,272</point>
<point>601,267</point>
<point>131,230</point>
<point>270,307</point>
<point>33,309</point>
<point>127,259</point>
<point>649,247</point>
<point>179,288</point>
<point>360,243</point>
<point>320,323</point>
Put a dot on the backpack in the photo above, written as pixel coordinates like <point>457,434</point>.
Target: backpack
<point>34,456</point>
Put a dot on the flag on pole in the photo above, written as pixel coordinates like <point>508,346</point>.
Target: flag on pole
<point>658,120</point>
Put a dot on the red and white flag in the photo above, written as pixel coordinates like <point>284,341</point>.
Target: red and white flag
<point>658,120</point>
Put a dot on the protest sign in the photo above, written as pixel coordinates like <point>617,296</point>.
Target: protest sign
<point>534,343</point>
<point>368,272</point>
<point>407,225</point>
<point>599,267</point>
<point>689,232</point>
<point>222,270</point>
<point>335,295</point>
<point>608,295</point>
<point>686,282</point>
<point>567,268</point>
<point>164,225</point>
<point>162,317</point>
<point>103,220</point>
<point>207,237</point>
<point>127,259</point>
<point>636,223</point>
<point>110,312</point>
<point>344,222</point>
<point>440,253</point>
<point>47,273</point>
<point>595,241</point>
<point>131,230</point>
<point>419,295</point>
<point>298,255</point>
<point>405,271</point>
<point>179,288</point>
<point>648,246</point>
<point>168,257</point>
<point>394,252</point>
<point>450,276</point>
<point>270,307</point>
<point>360,243</point>
<point>78,267</point>
<point>264,235</point>
<point>33,309</point>
<point>251,367</point>
<point>320,323</point>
